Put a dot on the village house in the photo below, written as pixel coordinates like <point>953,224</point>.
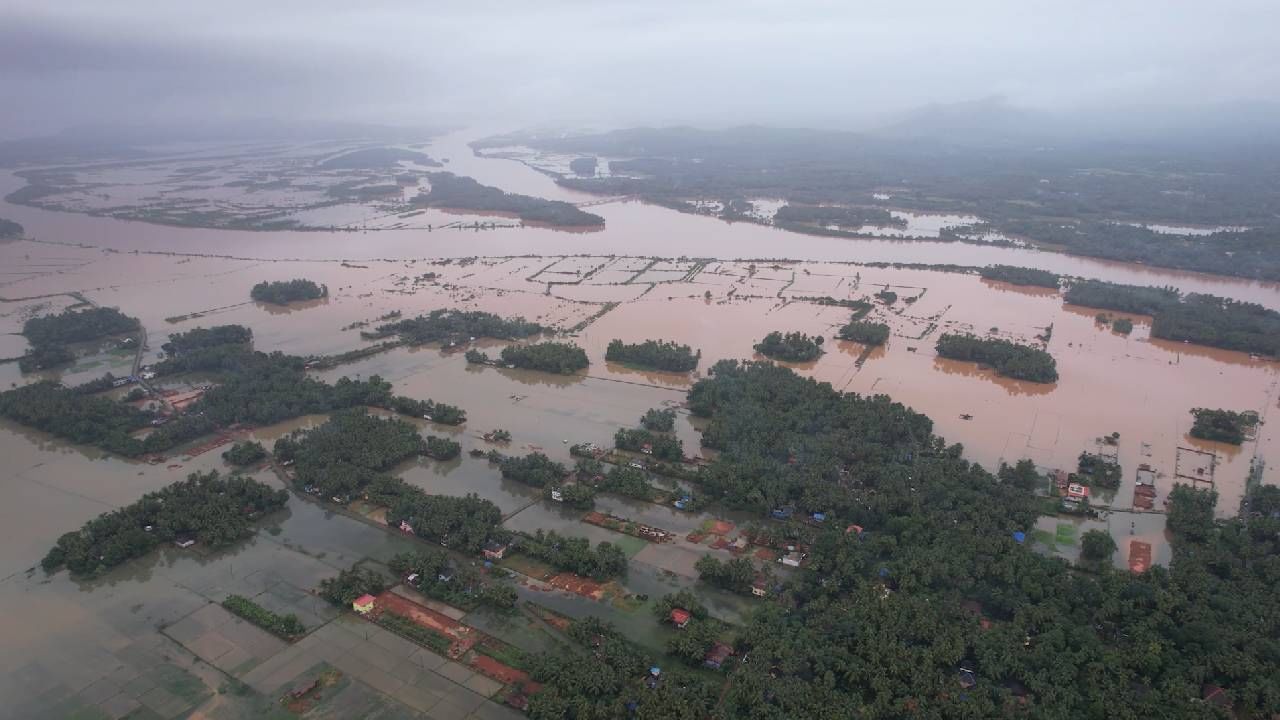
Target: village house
<point>680,617</point>
<point>494,550</point>
<point>363,604</point>
<point>760,586</point>
<point>793,558</point>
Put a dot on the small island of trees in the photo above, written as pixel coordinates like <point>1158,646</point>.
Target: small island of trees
<point>824,215</point>
<point>553,357</point>
<point>1020,362</point>
<point>867,333</point>
<point>1225,426</point>
<point>656,420</point>
<point>792,347</point>
<point>206,507</point>
<point>50,334</point>
<point>245,453</point>
<point>78,326</point>
<point>1097,471</point>
<point>449,327</point>
<point>283,292</point>
<point>654,355</point>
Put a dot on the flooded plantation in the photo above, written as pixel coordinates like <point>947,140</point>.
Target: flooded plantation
<point>652,273</point>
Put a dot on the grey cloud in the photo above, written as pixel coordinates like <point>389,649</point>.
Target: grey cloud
<point>809,62</point>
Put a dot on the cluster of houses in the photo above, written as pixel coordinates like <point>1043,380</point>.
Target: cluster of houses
<point>716,656</point>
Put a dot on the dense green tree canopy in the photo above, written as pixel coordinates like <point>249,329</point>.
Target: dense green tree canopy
<point>1021,362</point>
<point>214,511</point>
<point>457,326</point>
<point>867,333</point>
<point>553,357</point>
<point>792,346</point>
<point>283,292</point>
<point>654,354</point>
<point>1222,425</point>
<point>77,326</point>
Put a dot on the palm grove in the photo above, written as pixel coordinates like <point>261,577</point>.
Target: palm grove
<point>888,622</point>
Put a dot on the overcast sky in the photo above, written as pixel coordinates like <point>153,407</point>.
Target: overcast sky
<point>605,62</point>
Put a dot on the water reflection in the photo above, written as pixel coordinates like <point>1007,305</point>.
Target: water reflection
<point>1009,385</point>
<point>293,307</point>
<point>1029,290</point>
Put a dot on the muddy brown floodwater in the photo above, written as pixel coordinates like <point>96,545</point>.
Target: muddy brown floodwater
<point>175,279</point>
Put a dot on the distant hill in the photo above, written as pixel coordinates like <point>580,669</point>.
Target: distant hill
<point>995,120</point>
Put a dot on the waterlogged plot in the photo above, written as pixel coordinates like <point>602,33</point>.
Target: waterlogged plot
<point>252,188</point>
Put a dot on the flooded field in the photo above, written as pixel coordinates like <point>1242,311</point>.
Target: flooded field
<point>651,274</point>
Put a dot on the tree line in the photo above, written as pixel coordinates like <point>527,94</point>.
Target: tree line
<point>1021,276</point>
<point>575,554</point>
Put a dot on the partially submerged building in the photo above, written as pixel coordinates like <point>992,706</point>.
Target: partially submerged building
<point>495,550</point>
<point>363,604</point>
